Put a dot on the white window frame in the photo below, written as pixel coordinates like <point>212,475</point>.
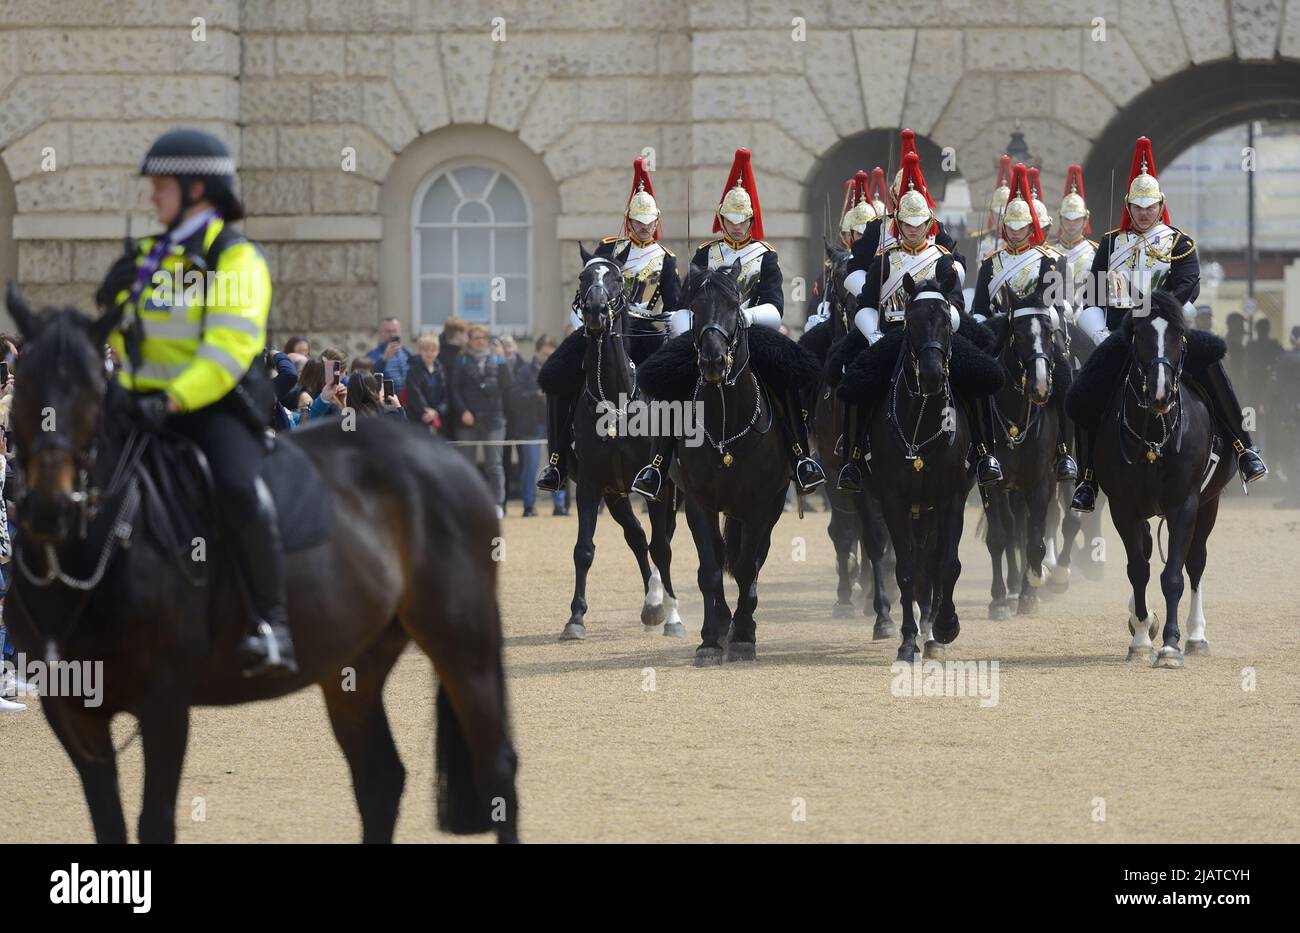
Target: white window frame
<point>418,276</point>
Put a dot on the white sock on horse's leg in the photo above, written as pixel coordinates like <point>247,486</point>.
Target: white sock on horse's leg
<point>1196,615</point>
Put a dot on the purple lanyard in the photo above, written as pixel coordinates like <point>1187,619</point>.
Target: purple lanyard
<point>153,262</point>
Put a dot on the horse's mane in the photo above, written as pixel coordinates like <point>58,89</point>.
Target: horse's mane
<point>1164,306</point>
<point>701,277</point>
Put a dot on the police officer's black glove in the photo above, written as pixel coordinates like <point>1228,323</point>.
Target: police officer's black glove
<point>120,278</point>
<point>152,409</point>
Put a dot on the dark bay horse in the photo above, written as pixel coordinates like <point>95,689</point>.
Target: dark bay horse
<point>608,451</point>
<point>1024,441</point>
<point>102,576</point>
<point>920,442</point>
<point>847,530</point>
<point>740,472</point>
<point>1156,456</point>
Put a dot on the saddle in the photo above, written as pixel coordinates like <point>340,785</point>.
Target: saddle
<point>178,471</point>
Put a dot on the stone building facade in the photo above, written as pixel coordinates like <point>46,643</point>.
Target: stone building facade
<point>346,117</point>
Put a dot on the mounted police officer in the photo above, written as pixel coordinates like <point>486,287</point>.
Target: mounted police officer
<point>912,248</point>
<point>1144,254</point>
<point>651,284</point>
<point>1012,274</point>
<point>739,219</point>
<point>191,355</point>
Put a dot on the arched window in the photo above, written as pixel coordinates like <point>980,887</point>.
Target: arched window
<point>471,244</point>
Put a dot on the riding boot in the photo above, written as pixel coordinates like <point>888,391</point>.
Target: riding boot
<point>268,647</point>
<point>1217,390</point>
<point>649,481</point>
<point>850,477</point>
<point>987,470</point>
<point>1085,493</point>
<point>1066,468</point>
<point>559,408</point>
<point>808,474</point>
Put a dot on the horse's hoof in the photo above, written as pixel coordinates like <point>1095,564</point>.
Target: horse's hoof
<point>946,634</point>
<point>653,615</point>
<point>1058,581</point>
<point>674,630</point>
<point>574,631</point>
<point>741,651</point>
<point>708,657</point>
<point>1027,605</point>
<point>1139,654</point>
<point>844,611</point>
<point>1035,579</point>
<point>999,610</point>
<point>1169,658</point>
<point>884,628</point>
<point>1201,647</point>
<point>933,651</point>
<point>908,652</point>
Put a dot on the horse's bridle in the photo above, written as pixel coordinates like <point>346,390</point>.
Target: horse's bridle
<point>615,304</point>
<point>1046,357</point>
<point>915,353</point>
<point>732,341</point>
<point>1154,449</point>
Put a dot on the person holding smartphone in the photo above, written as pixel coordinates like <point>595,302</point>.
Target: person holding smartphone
<point>390,358</point>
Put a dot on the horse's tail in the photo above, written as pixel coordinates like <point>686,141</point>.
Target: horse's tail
<point>731,546</point>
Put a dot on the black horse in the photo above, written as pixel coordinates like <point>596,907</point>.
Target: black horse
<point>847,530</point>
<point>741,471</point>
<point>1158,454</point>
<point>920,443</point>
<point>107,571</point>
<point>607,453</point>
<point>1024,441</point>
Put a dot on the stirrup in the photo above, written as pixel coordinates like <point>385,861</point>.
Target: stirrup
<point>850,478</point>
<point>649,482</point>
<point>1066,469</point>
<point>551,479</point>
<point>988,471</point>
<point>808,475</point>
<point>268,650</point>
<point>1250,464</point>
<point>1085,496</point>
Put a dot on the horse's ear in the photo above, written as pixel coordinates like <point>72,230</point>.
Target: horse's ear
<point>582,251</point>
<point>693,278</point>
<point>948,278</point>
<point>830,248</point>
<point>621,257</point>
<point>733,270</point>
<point>909,285</point>
<point>27,320</point>
<point>102,327</point>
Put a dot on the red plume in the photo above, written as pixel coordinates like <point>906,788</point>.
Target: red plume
<point>849,196</point>
<point>1004,172</point>
<point>1142,153</point>
<point>1035,183</point>
<point>876,187</point>
<point>640,177</point>
<point>912,178</point>
<point>1020,186</point>
<point>909,142</point>
<point>861,186</point>
<point>1074,182</point>
<point>742,173</point>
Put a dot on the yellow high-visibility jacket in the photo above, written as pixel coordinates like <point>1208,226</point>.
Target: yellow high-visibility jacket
<point>202,332</point>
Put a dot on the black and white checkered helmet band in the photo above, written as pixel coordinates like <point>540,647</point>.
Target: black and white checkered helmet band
<point>189,165</point>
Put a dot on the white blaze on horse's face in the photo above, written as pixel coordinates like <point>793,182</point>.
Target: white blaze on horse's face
<point>1040,361</point>
<point>1162,384</point>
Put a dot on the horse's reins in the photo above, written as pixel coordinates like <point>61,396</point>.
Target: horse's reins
<point>912,449</point>
<point>1013,434</point>
<point>732,341</point>
<point>1168,429</point>
<point>614,306</point>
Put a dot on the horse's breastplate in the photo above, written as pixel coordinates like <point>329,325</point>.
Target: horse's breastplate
<point>1139,264</point>
<point>751,263</point>
<point>642,273</point>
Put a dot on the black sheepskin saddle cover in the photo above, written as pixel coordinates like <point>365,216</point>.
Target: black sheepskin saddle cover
<point>973,372</point>
<point>818,340</point>
<point>563,374</point>
<point>1095,384</point>
<point>998,327</point>
<point>781,364</point>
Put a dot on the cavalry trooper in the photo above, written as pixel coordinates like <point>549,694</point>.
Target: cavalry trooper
<point>856,214</point>
<point>1011,275</point>
<point>881,236</point>
<point>739,219</point>
<point>989,238</point>
<point>650,282</point>
<point>1040,209</point>
<point>913,250</point>
<point>1144,254</point>
<point>879,193</point>
<point>1072,242</point>
<point>191,359</point>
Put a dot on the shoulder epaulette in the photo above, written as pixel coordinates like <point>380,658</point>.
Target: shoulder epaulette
<point>707,243</point>
<point>667,251</point>
<point>943,249</point>
<point>1094,243</point>
<point>767,244</point>
<point>611,239</point>
<point>990,254</point>
<point>1116,230</point>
